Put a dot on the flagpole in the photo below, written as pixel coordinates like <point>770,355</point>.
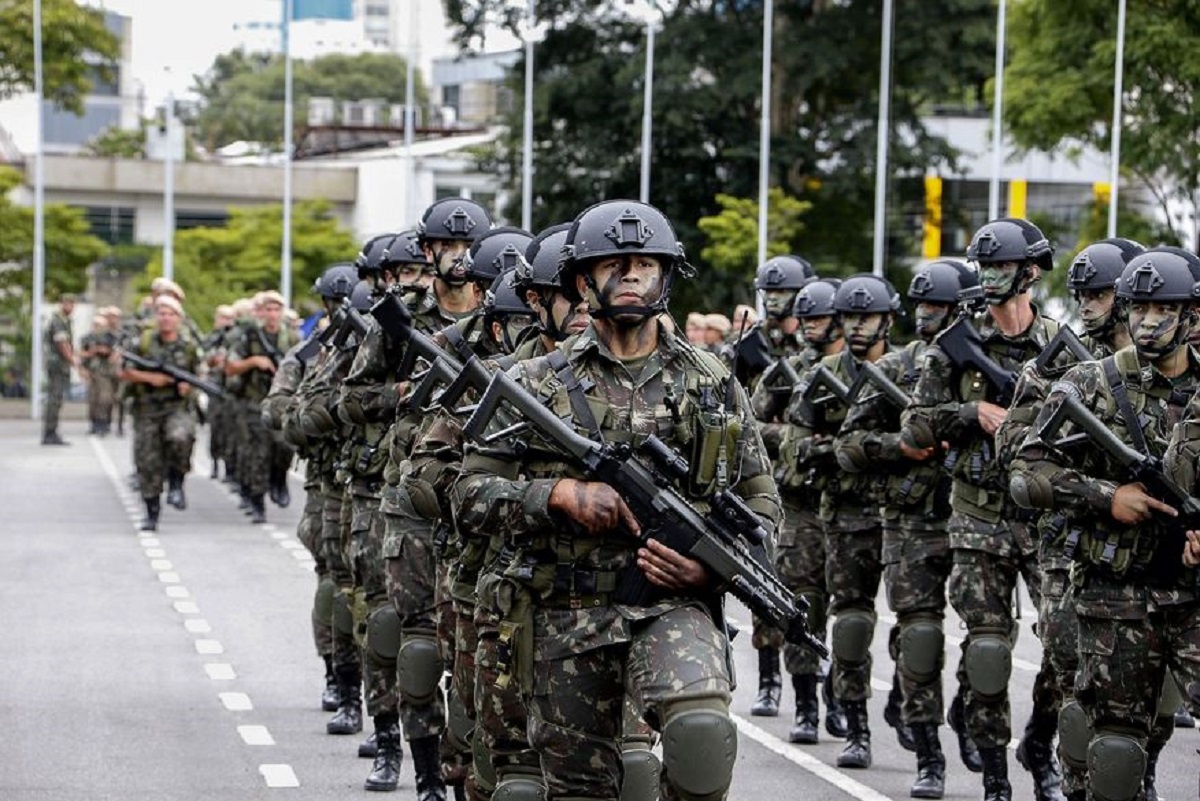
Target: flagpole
<point>997,115</point>
<point>1114,181</point>
<point>527,144</point>
<point>285,278</point>
<point>764,132</point>
<point>881,144</point>
<point>647,105</point>
<point>39,217</point>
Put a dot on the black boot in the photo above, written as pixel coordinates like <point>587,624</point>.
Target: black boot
<point>956,717</point>
<point>857,753</point>
<point>331,699</point>
<point>1183,718</point>
<point>891,715</point>
<point>835,717</point>
<point>770,684</point>
<point>931,763</point>
<point>348,719</point>
<point>1036,754</point>
<point>150,521</point>
<point>278,488</point>
<point>258,510</point>
<point>216,470</point>
<point>385,773</point>
<point>428,769</point>
<point>804,730</point>
<point>1149,783</point>
<point>995,774</point>
<point>369,747</point>
<point>175,496</point>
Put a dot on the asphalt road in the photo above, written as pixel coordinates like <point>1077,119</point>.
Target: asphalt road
<point>180,665</point>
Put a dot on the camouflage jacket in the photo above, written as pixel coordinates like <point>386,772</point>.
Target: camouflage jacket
<point>507,489</point>
<point>58,330</point>
<point>251,339</point>
<point>95,351</point>
<point>182,353</point>
<point>771,393</point>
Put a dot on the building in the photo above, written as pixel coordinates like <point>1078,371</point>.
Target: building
<point>474,89</point>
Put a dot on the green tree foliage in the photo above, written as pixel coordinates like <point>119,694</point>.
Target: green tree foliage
<point>219,265</point>
<point>116,142</point>
<point>1059,84</point>
<point>241,96</point>
<point>76,48</point>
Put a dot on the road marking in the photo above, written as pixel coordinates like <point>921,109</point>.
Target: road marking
<point>197,625</point>
<point>178,592</point>
<point>220,671</point>
<point>209,647</point>
<point>150,542</point>
<point>236,702</point>
<point>290,544</point>
<point>187,608</point>
<point>301,555</point>
<point>168,578</point>
<point>279,775</point>
<point>279,535</point>
<point>161,564</point>
<point>154,553</point>
<point>256,735</point>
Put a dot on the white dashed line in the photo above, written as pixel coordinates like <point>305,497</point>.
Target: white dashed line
<point>290,544</point>
<point>209,647</point>
<point>150,542</point>
<point>155,553</point>
<point>303,554</point>
<point>236,702</point>
<point>279,775</point>
<point>168,578</point>
<point>197,625</point>
<point>220,671</point>
<point>161,564</point>
<point>256,735</point>
<point>279,535</point>
<point>178,592</point>
<point>187,608</point>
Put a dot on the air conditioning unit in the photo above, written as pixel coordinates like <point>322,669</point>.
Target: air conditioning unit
<point>322,111</point>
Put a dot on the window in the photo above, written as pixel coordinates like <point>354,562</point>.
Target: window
<point>113,224</point>
<point>186,219</point>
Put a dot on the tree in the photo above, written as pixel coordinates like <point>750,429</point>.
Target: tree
<point>77,48</point>
<point>218,265</point>
<point>242,95</point>
<point>117,142</point>
<point>1059,83</point>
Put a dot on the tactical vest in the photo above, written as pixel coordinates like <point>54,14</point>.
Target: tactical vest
<point>921,487</point>
<point>179,354</point>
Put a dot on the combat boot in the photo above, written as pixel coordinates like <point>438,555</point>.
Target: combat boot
<point>956,717</point>
<point>1149,779</point>
<point>891,715</point>
<point>804,730</point>
<point>995,774</point>
<point>331,699</point>
<point>857,753</point>
<point>215,473</point>
<point>1183,718</point>
<point>150,521</point>
<point>770,684</point>
<point>175,496</point>
<point>1036,754</point>
<point>258,510</point>
<point>835,716</point>
<point>931,763</point>
<point>428,769</point>
<point>369,747</point>
<point>52,438</point>
<point>385,773</point>
<point>348,719</point>
<point>278,488</point>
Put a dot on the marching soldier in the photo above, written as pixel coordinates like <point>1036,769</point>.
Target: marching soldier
<point>97,357</point>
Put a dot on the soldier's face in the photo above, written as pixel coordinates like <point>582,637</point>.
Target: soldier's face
<point>272,315</point>
<point>632,280</point>
<point>863,330</point>
<point>168,319</point>
<point>997,277</point>
<point>930,318</point>
<point>816,329</point>
<point>695,333</point>
<point>569,318</point>
<point>1154,326</point>
<point>778,302</point>
<point>408,275</point>
<point>1095,306</point>
<point>447,257</point>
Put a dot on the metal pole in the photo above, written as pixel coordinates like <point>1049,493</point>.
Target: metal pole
<point>39,225</point>
<point>647,106</point>
<point>409,208</point>
<point>1114,181</point>
<point>997,116</point>
<point>881,144</point>
<point>527,145</point>
<point>285,279</point>
<point>764,132</point>
<point>168,269</point>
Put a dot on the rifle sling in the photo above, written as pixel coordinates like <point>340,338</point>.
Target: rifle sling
<point>1121,395</point>
<point>580,408</point>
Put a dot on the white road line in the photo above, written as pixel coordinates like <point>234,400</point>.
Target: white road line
<point>209,647</point>
<point>279,535</point>
<point>161,564</point>
<point>279,775</point>
<point>154,553</point>
<point>178,591</point>
<point>197,625</point>
<point>256,735</point>
<point>291,545</point>
<point>168,578</point>
<point>236,702</point>
<point>187,608</point>
<point>150,542</point>
<point>220,671</point>
<point>301,555</point>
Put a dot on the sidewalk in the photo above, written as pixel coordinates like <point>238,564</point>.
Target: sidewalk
<point>18,409</point>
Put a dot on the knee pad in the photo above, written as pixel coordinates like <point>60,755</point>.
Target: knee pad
<point>460,728</point>
<point>1171,699</point>
<point>323,601</point>
<point>852,633</point>
<point>988,662</point>
<point>521,787</point>
<point>383,634</point>
<point>1116,765</point>
<point>343,618</point>
<point>922,646</point>
<point>418,667</point>
<point>642,771</point>
<point>1074,734</point>
<point>485,771</point>
<point>699,747</point>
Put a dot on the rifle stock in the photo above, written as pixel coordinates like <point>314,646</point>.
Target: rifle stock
<point>887,388</point>
<point>1066,340</point>
<point>964,347</point>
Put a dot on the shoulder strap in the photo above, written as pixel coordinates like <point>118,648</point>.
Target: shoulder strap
<point>579,405</point>
<point>1117,384</point>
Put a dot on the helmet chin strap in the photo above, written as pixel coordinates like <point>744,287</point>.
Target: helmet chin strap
<point>603,311</point>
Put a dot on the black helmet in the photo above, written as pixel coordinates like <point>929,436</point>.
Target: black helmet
<point>362,297</point>
<point>1163,274</point>
<point>617,228</point>
<point>371,258</point>
<point>1011,239</point>
<point>453,218</point>
<point>866,293</point>
<point>496,251</point>
<point>337,281</point>
<point>942,281</point>
<point>538,269</point>
<point>503,298</point>
<point>783,272</point>
<point>816,298</point>
<point>405,248</point>
<point>1099,265</point>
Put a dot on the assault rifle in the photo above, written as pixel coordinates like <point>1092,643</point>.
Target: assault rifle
<point>821,392</point>
<point>964,347</point>
<point>885,386</point>
<point>729,539</point>
<point>751,354</point>
<point>179,374</point>
<point>318,339</point>
<point>1166,560</point>
<point>1066,340</point>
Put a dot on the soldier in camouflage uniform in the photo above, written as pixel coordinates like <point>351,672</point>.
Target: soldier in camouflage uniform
<point>916,547</point>
<point>991,541</point>
<point>572,536</point>
<point>800,546</point>
<point>254,356</point>
<point>97,351</point>
<point>1136,603</point>
<point>849,509</point>
<point>58,347</point>
<point>164,424</point>
<point>220,423</point>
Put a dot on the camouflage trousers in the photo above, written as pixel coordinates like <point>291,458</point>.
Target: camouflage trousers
<point>853,569</point>
<point>370,595</point>
<point>800,562</point>
<point>916,557</point>
<point>261,452</point>
<point>577,706</point>
<point>335,539</point>
<point>410,565</point>
<point>57,382</point>
<point>163,435</point>
<point>309,533</point>
<point>101,396</point>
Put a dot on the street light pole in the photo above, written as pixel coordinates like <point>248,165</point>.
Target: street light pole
<point>285,278</point>
<point>647,105</point>
<point>997,116</point>
<point>764,132</point>
<point>881,144</point>
<point>527,144</point>
<point>39,222</point>
<point>168,268</point>
<point>1114,180</point>
<point>409,206</point>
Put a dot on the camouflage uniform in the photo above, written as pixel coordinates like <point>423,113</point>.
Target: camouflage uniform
<point>58,370</point>
<point>220,420</point>
<point>164,426</point>
<point>263,457</point>
<point>576,652</point>
<point>96,349</point>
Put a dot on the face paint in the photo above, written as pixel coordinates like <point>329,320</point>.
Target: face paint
<point>633,282</point>
<point>1095,308</point>
<point>929,318</point>
<point>1155,328</point>
<point>448,260</point>
<point>997,280</point>
<point>818,330</point>
<point>777,303</point>
<point>568,318</point>
<point>862,331</point>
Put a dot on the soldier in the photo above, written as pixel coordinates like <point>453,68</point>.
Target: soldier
<point>916,548</point>
<point>254,356</point>
<point>990,540</point>
<point>97,352</point>
<point>220,424</point>
<point>164,425</point>
<point>694,327</point>
<point>586,650</point>
<point>1136,604</point>
<point>58,345</point>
